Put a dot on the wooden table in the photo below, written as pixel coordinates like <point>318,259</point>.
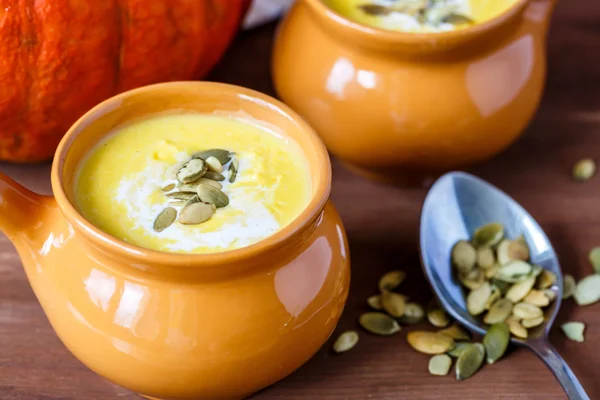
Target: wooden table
<point>535,171</point>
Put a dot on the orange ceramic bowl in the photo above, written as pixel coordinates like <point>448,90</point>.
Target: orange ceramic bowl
<point>400,106</point>
<point>175,326</point>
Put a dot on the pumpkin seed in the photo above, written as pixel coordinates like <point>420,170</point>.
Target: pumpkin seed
<point>191,170</point>
<point>464,256</point>
<point>187,188</point>
<point>520,289</point>
<point>496,294</point>
<point>210,182</point>
<point>457,19</point>
<point>513,271</point>
<point>477,299</point>
<point>587,290</point>
<point>496,341</point>
<point>165,219</point>
<point>584,169</point>
<point>213,164</point>
<point>429,342</point>
<point>375,302</point>
<point>569,286</point>
<point>485,257</point>
<point>177,202</point>
<point>550,294</point>
<point>574,331</point>
<point>498,312</point>
<point>391,280</point>
<point>438,318</point>
<point>440,364</point>
<point>515,327</point>
<point>537,298</point>
<point>469,361</point>
<point>473,279</point>
<point>212,195</point>
<point>491,272</point>
<point>222,155</point>
<point>168,187</point>
<point>379,323</point>
<point>526,311</point>
<point>180,195</point>
<point>233,170</point>
<point>456,332</point>
<point>413,313</point>
<point>545,279</point>
<point>171,172</point>
<point>375,9</point>
<point>488,235</point>
<point>536,270</point>
<point>196,213</point>
<point>594,257</point>
<point>458,348</point>
<point>215,176</point>
<point>192,200</point>
<point>393,303</point>
<point>501,285</point>
<point>510,250</point>
<point>346,341</point>
<point>532,322</point>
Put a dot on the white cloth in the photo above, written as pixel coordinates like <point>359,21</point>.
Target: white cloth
<point>263,11</point>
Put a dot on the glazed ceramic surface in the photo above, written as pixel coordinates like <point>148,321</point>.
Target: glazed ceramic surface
<point>399,106</point>
<point>177,326</point>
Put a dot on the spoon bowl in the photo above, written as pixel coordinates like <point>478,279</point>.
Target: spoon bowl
<point>456,205</point>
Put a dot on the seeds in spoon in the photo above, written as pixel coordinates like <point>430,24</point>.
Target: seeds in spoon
<point>196,213</point>
<point>485,257</point>
<point>545,279</point>
<point>525,311</point>
<point>569,286</point>
<point>191,170</point>
<point>393,303</point>
<point>346,341</point>
<point>532,322</point>
<point>440,364</point>
<point>496,341</point>
<point>515,327</point>
<point>587,290</point>
<point>498,312</point>
<point>391,280</point>
<point>574,331</point>
<point>379,323</point>
<point>520,289</point>
<point>510,250</point>
<point>464,256</point>
<point>537,298</point>
<point>469,361</point>
<point>429,342</point>
<point>165,219</point>
<point>488,235</point>
<point>584,169</point>
<point>514,271</point>
<point>476,300</point>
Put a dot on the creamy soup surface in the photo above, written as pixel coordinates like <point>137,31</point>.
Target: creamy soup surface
<point>131,177</point>
<point>420,15</point>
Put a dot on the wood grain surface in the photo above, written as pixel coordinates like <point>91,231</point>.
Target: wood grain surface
<point>382,225</point>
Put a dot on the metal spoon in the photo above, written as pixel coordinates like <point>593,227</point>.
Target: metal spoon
<point>455,206</point>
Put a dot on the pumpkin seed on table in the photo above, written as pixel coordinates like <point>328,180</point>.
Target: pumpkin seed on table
<point>413,313</point>
<point>532,322</point>
<point>498,312</point>
<point>234,167</point>
<point>436,315</point>
<point>393,303</point>
<point>496,341</point>
<point>464,256</point>
<point>526,311</point>
<point>379,323</point>
<point>469,361</point>
<point>222,155</point>
<point>515,327</point>
<point>213,164</point>
<point>440,364</point>
<point>488,235</point>
<point>375,302</point>
<point>537,298</point>
<point>477,299</point>
<point>545,279</point>
<point>191,170</point>
<point>346,341</point>
<point>215,176</point>
<point>458,348</point>
<point>196,213</point>
<point>569,286</point>
<point>574,331</point>
<point>511,250</point>
<point>391,280</point>
<point>429,342</point>
<point>212,195</point>
<point>520,289</point>
<point>587,290</point>
<point>456,332</point>
<point>584,169</point>
<point>165,219</point>
<point>594,258</point>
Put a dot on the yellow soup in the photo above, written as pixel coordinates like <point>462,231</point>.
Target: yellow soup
<point>420,15</point>
<point>120,184</point>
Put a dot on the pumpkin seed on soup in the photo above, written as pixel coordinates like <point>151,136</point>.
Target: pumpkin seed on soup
<point>215,176</point>
<point>223,156</point>
<point>180,195</point>
<point>469,361</point>
<point>440,364</point>
<point>196,213</point>
<point>234,166</point>
<point>165,219</point>
<point>429,342</point>
<point>391,280</point>
<point>212,195</point>
<point>496,341</point>
<point>488,235</point>
<point>191,170</point>
<point>210,182</point>
<point>168,187</point>
<point>213,164</point>
<point>346,341</point>
<point>379,323</point>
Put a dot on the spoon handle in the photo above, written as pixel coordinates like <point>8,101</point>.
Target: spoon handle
<point>544,350</point>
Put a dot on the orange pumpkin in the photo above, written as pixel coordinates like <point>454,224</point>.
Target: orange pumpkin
<point>58,58</point>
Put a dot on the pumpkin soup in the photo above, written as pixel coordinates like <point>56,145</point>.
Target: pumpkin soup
<point>193,183</point>
<point>420,15</point>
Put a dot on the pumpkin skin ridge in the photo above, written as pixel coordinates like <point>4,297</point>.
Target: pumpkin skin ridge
<point>76,54</point>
